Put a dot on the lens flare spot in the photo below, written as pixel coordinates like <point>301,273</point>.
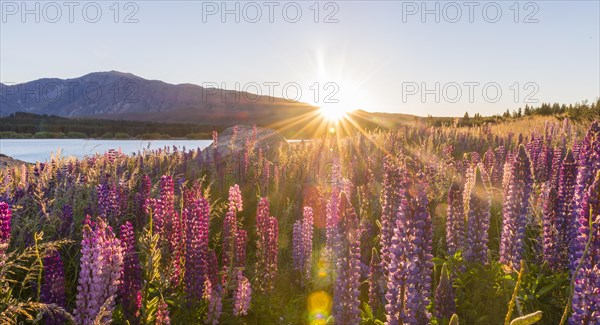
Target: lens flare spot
<point>319,307</point>
<point>322,270</point>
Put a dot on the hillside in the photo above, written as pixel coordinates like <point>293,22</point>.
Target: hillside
<point>117,95</point>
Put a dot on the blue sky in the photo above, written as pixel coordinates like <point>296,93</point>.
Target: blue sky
<point>374,55</point>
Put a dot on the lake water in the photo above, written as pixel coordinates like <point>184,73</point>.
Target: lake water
<point>33,150</point>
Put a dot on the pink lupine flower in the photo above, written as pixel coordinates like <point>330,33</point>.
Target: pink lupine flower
<point>266,246</point>
<point>101,268</point>
<point>243,295</point>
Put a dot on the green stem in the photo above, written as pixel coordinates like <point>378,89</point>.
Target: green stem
<point>513,299</point>
<point>36,237</point>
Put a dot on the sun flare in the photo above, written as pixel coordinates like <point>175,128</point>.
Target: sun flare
<point>333,112</point>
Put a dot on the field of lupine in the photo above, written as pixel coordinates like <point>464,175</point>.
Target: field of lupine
<point>417,226</point>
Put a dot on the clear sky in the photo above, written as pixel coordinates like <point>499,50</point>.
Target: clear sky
<point>374,55</point>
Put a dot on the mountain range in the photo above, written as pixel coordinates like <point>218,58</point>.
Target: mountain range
<point>117,95</point>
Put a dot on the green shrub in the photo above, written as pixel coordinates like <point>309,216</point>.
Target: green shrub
<point>47,135</point>
<point>76,135</point>
<point>107,135</point>
<point>198,136</point>
<point>121,135</point>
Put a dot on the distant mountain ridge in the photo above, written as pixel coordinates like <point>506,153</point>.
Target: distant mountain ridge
<point>119,95</point>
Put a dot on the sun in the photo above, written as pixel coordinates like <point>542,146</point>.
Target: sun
<point>333,112</point>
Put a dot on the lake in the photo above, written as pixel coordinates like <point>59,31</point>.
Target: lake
<point>33,150</point>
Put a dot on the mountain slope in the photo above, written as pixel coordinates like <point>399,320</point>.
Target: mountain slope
<point>118,95</point>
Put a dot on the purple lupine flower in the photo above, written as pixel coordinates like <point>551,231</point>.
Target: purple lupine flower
<point>297,247</point>
<point>586,291</point>
<point>162,314</point>
<point>346,301</point>
<point>589,164</point>
<point>551,239</point>
<point>108,201</point>
<point>214,297</point>
<point>478,223</point>
<point>243,295</point>
<point>66,222</point>
<point>394,183</point>
<point>455,223</point>
<point>409,281</point>
<point>131,285</point>
<point>489,161</point>
<point>53,286</point>
<point>566,231</point>
<point>498,171</point>
<point>375,291</point>
<point>196,219</point>
<point>557,158</point>
<point>515,209</point>
<point>444,296</point>
<point>142,200</point>
<point>100,274</point>
<point>5,219</point>
<point>267,246</point>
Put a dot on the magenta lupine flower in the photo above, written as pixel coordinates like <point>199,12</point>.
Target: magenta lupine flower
<point>515,209</point>
<point>332,213</point>
<point>241,241</point>
<point>444,296</point>
<point>243,295</point>
<point>131,285</point>
<point>162,314</point>
<point>163,208</point>
<point>196,218</point>
<point>267,246</point>
<point>230,228</point>
<point>589,164</point>
<point>229,238</point>
<point>586,291</point>
<point>212,269</point>
<point>409,280</point>
<point>478,223</point>
<point>455,223</point>
<point>307,241</point>
<point>346,301</point>
<point>5,218</point>
<point>101,268</point>
<point>176,247</point>
<point>53,286</point>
